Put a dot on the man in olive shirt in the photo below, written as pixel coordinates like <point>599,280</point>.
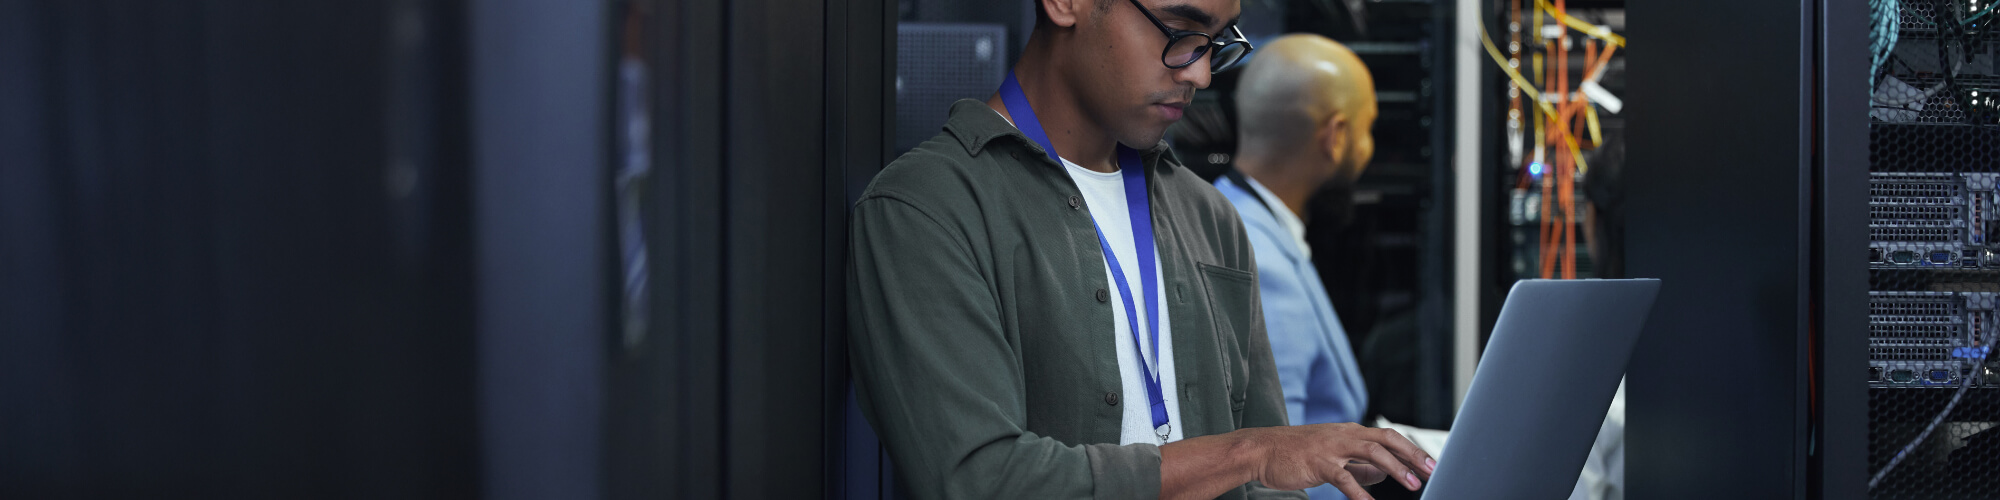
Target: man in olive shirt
<point>1044,304</point>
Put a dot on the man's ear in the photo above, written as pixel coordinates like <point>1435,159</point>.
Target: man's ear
<point>1333,137</point>
<point>1064,13</point>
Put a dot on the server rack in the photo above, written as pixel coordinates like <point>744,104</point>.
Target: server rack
<point>1932,392</point>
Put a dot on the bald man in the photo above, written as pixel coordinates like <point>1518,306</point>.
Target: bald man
<point>1305,105</point>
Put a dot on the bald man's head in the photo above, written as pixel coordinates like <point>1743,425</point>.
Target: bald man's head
<point>1307,102</point>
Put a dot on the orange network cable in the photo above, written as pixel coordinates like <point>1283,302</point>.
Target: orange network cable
<point>1575,116</point>
<point>1552,176</point>
<point>1567,249</point>
<point>1562,113</point>
<point>1554,228</point>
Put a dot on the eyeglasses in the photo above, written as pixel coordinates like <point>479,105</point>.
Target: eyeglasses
<point>1185,47</point>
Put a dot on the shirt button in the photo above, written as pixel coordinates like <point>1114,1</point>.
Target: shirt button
<point>1075,202</point>
<point>1103,295</point>
<point>1111,398</point>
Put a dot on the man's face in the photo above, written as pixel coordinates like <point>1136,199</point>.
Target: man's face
<point>1125,84</point>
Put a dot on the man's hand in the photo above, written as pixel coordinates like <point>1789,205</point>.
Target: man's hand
<point>1366,474</point>
<point>1346,455</point>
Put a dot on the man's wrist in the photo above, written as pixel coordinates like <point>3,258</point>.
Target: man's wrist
<point>1247,453</point>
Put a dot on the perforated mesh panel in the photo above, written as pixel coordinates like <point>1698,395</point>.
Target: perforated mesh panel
<point>1934,396</point>
<point>938,64</point>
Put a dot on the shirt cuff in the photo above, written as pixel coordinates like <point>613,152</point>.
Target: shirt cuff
<point>1121,472</point>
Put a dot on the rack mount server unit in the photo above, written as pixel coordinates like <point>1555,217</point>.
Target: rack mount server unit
<point>1931,220</point>
<point>1930,339</point>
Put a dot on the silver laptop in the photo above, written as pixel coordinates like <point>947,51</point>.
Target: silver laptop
<point>1541,390</point>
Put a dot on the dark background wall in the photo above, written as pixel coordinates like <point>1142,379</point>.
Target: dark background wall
<point>371,249</point>
<point>232,251</point>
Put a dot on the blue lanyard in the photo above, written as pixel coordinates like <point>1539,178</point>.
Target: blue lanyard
<point>1134,174</point>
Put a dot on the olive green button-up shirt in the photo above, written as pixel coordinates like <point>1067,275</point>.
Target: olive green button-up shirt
<point>982,338</point>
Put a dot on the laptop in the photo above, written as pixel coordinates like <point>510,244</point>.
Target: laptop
<point>1541,389</point>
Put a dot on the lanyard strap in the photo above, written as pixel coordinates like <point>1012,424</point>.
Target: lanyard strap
<point>1131,169</point>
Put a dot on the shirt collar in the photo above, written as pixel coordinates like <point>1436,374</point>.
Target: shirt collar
<point>1284,214</point>
<point>976,126</point>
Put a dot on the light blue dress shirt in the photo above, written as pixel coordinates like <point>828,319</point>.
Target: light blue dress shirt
<point>1315,362</point>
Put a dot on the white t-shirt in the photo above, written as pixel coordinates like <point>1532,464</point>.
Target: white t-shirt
<point>1104,193</point>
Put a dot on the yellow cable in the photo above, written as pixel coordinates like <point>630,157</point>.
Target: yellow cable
<point>1599,32</point>
<point>1590,119</point>
<point>1530,91</point>
<point>1538,67</point>
<point>1537,33</point>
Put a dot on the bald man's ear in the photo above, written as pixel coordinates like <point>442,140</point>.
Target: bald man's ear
<point>1065,13</point>
<point>1333,138</point>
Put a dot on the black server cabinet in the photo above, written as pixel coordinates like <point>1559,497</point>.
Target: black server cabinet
<point>772,115</point>
<point>1748,178</point>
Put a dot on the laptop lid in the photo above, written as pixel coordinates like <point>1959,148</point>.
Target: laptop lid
<point>1542,388</point>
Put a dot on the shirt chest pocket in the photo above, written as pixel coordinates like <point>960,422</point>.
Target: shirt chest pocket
<point>1231,303</point>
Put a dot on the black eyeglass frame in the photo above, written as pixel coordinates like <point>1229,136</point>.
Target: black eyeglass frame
<point>1174,36</point>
